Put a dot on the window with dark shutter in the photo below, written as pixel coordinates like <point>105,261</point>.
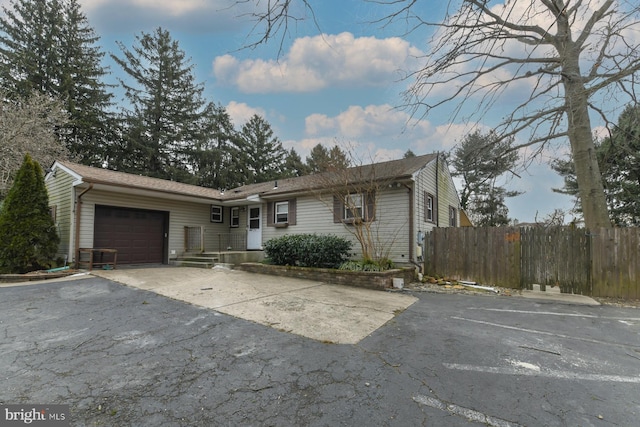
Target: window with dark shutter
<point>281,213</point>
<point>354,207</point>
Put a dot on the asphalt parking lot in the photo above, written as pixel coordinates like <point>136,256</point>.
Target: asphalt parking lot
<point>127,356</point>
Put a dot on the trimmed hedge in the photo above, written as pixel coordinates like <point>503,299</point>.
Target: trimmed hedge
<point>308,250</point>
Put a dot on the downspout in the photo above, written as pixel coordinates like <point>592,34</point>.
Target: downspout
<point>438,189</point>
<point>412,237</point>
<point>77,225</point>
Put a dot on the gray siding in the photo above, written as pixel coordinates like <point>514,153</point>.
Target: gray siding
<point>445,193</point>
<point>181,214</point>
<point>60,190</point>
<point>390,228</point>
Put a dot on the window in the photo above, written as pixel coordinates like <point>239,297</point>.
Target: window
<point>453,217</point>
<point>53,211</point>
<point>353,207</point>
<point>216,213</point>
<point>235,217</point>
<point>281,213</point>
<point>429,207</point>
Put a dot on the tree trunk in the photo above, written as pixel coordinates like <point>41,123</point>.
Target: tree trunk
<point>590,188</point>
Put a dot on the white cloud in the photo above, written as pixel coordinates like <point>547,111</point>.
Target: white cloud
<point>171,7</point>
<point>192,16</point>
<point>360,122</point>
<point>314,63</point>
<point>383,132</point>
<point>240,112</point>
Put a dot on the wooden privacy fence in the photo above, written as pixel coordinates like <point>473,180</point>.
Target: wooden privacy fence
<point>600,263</point>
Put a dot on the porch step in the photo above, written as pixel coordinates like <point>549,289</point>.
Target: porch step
<point>198,261</point>
<point>196,264</point>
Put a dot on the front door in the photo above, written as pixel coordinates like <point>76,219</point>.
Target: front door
<point>254,231</point>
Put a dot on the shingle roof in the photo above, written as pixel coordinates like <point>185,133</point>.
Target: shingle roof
<point>394,169</point>
<point>390,170</point>
<point>121,179</point>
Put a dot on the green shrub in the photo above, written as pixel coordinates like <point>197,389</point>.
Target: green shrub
<point>308,250</point>
<point>28,237</point>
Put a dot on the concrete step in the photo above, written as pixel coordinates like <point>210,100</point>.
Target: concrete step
<point>190,263</point>
<point>199,258</point>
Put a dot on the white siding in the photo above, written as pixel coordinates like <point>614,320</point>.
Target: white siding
<point>181,214</point>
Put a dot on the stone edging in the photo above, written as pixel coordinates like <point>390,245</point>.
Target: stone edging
<point>17,278</point>
<point>363,279</point>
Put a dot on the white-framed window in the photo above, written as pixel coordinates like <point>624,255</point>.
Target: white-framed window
<point>216,213</point>
<point>453,217</point>
<point>235,217</point>
<point>429,207</point>
<point>281,212</point>
<point>353,206</point>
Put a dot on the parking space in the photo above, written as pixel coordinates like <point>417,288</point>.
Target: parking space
<point>124,355</point>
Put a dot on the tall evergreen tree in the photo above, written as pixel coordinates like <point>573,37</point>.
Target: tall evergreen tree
<point>213,157</point>
<point>163,121</point>
<point>47,46</point>
<point>28,237</point>
<point>294,166</point>
<point>89,133</point>
<point>480,160</point>
<point>321,159</point>
<point>263,157</point>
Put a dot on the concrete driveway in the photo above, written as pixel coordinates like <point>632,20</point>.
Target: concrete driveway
<point>327,313</point>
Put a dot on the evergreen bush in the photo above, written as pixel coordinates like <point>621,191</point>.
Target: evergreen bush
<point>308,250</point>
<point>28,237</point>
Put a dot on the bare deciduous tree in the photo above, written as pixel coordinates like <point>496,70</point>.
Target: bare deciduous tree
<point>28,126</point>
<point>353,195</point>
<point>565,56</point>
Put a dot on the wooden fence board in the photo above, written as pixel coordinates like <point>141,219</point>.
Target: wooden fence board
<point>600,263</point>
<point>616,262</point>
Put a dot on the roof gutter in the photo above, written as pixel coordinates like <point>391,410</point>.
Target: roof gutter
<point>78,210</point>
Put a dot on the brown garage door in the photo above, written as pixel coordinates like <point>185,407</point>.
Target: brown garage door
<point>138,235</point>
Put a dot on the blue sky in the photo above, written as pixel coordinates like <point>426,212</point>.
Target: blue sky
<point>342,85</point>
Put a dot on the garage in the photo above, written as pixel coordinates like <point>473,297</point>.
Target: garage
<point>138,235</point>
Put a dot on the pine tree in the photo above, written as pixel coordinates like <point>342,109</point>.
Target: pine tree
<point>88,102</point>
<point>47,46</point>
<point>162,124</point>
<point>263,157</point>
<point>294,166</point>
<point>213,156</point>
<point>479,161</point>
<point>321,160</point>
<point>28,237</point>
